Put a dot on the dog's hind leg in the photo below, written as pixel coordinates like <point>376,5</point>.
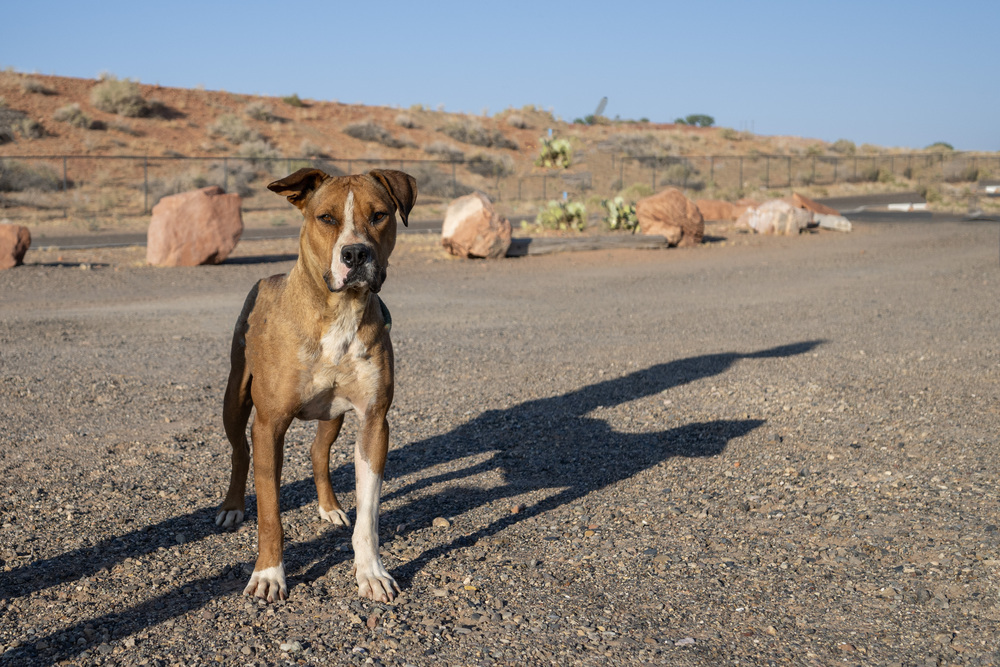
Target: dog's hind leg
<point>235,414</point>
<point>329,507</point>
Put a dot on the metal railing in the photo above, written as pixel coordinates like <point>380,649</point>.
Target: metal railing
<point>103,189</point>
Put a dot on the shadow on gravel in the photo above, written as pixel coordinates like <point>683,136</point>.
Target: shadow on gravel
<point>262,259</point>
<point>546,443</point>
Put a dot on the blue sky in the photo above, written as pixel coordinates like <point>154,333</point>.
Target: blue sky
<point>889,73</point>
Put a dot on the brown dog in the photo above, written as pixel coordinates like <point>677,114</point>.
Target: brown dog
<point>313,345</point>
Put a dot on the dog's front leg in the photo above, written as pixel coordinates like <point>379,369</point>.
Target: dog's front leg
<point>268,579</point>
<point>374,581</point>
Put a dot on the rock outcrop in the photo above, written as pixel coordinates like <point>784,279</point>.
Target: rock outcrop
<point>196,227</point>
<point>14,243</point>
<point>672,215</point>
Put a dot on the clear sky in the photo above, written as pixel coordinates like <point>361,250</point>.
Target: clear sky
<point>889,73</point>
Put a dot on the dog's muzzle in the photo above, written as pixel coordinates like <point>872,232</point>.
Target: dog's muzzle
<point>363,269</point>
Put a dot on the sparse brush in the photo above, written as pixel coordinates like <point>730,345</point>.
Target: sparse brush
<point>563,216</point>
<point>16,176</point>
<point>471,132</point>
<point>844,147</point>
<point>119,96</point>
<point>433,181</point>
<point>259,111</point>
<point>309,149</point>
<point>232,128</point>
<point>446,151</point>
<point>555,152</point>
<point>71,114</point>
<point>486,164</point>
<point>293,101</point>
<point>407,121</point>
<point>373,132</point>
<point>940,146</point>
<point>620,215</point>
<point>257,149</point>
<point>36,87</point>
<point>515,120</point>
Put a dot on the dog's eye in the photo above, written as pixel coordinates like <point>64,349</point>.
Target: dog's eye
<point>378,217</point>
<point>327,218</point>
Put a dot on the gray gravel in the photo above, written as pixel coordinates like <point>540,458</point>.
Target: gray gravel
<point>762,450</point>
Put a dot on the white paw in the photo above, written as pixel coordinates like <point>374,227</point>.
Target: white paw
<point>229,518</point>
<point>375,582</point>
<point>336,517</point>
<point>268,584</point>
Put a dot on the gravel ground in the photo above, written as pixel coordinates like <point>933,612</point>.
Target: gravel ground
<point>758,451</point>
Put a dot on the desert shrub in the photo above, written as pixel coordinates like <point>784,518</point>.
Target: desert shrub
<point>120,97</point>
<point>940,146</point>
<point>471,132</point>
<point>518,121</point>
<point>240,176</point>
<point>373,132</point>
<point>563,215</point>
<point>844,147</point>
<point>486,164</point>
<point>258,149</point>
<point>293,101</point>
<point>433,181</point>
<point>73,115</point>
<point>445,151</point>
<point>681,173</point>
<point>259,111</point>
<point>28,128</point>
<point>619,215</point>
<point>309,149</point>
<point>814,150</point>
<point>554,153</point>
<point>18,176</point>
<point>35,86</point>
<point>873,174</point>
<point>126,128</point>
<point>636,191</point>
<point>232,128</point>
<point>407,121</point>
<point>961,172</point>
<point>729,134</point>
<point>930,193</point>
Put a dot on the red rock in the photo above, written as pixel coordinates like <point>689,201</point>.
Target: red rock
<point>473,228</point>
<point>14,243</point>
<point>196,227</point>
<point>775,217</point>
<point>672,215</point>
<point>715,209</point>
<point>808,204</point>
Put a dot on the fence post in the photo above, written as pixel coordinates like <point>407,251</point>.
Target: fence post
<point>621,174</point>
<point>544,178</point>
<point>145,184</point>
<point>788,161</point>
<point>225,174</point>
<point>767,171</point>
<point>519,180</point>
<point>654,174</point>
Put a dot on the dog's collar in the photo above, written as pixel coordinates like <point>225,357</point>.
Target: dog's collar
<point>385,313</point>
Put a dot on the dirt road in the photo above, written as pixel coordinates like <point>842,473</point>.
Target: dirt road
<point>779,449</point>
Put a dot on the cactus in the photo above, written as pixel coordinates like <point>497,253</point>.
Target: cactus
<point>555,153</point>
<point>620,215</point>
<point>563,215</point>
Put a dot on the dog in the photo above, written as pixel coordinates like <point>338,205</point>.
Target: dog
<point>312,345</point>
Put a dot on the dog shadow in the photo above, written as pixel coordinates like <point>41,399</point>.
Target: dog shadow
<point>548,443</point>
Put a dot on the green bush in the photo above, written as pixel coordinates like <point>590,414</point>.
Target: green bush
<point>232,128</point>
<point>293,101</point>
<point>563,215</point>
<point>120,97</point>
<point>485,164</point>
<point>940,146</point>
<point>697,119</point>
<point>729,134</point>
<point>72,115</point>
<point>554,152</point>
<point>407,121</point>
<point>620,215</point>
<point>18,176</point>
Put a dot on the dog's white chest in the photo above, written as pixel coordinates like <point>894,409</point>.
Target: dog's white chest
<point>339,374</point>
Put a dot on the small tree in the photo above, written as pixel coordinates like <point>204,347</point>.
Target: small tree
<point>697,119</point>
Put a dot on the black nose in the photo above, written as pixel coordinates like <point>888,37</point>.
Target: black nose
<point>354,255</point>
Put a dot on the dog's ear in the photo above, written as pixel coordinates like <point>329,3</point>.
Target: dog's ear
<point>299,185</point>
<point>402,188</point>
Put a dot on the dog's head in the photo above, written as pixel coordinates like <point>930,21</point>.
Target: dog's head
<point>349,226</point>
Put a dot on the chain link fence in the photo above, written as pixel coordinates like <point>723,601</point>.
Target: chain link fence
<point>101,190</point>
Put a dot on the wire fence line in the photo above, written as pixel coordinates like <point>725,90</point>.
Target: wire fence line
<point>102,187</point>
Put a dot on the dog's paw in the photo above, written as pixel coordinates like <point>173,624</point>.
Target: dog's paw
<point>229,518</point>
<point>268,584</point>
<point>336,517</point>
<point>375,582</point>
